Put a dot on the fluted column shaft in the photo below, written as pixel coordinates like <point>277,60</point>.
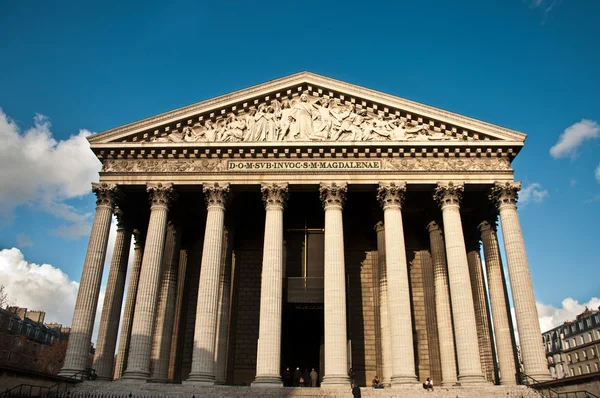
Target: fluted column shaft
<point>391,197</point>
<point>203,358</point>
<point>165,313</point>
<point>176,349</point>
<point>530,340</point>
<point>138,361</point>
<point>384,319</point>
<point>336,354</point>
<point>501,324</point>
<point>113,301</point>
<point>134,278</point>
<point>442,305</point>
<point>89,287</point>
<point>484,336</point>
<point>463,311</point>
<point>268,357</point>
<point>223,312</point>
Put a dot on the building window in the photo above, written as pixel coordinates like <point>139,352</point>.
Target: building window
<point>584,353</point>
<point>588,370</point>
<point>588,322</point>
<point>569,360</point>
<point>596,365</point>
<point>590,337</point>
<point>567,344</point>
<point>594,353</point>
<point>577,357</point>
<point>581,340</point>
<point>572,372</point>
<point>580,325</point>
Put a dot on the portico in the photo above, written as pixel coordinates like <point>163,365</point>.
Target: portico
<point>389,195</point>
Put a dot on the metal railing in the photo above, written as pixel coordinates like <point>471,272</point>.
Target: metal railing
<point>55,390</point>
<point>548,392</point>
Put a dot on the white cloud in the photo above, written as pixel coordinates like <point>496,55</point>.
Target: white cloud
<point>38,287</point>
<point>573,137</point>
<point>24,241</point>
<point>37,170</point>
<point>597,173</point>
<point>532,193</point>
<point>551,317</point>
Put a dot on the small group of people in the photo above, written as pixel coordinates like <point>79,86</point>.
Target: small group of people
<point>299,378</point>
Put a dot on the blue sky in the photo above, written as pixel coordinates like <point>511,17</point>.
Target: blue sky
<point>528,65</point>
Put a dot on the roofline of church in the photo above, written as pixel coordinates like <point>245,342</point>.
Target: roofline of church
<point>310,78</point>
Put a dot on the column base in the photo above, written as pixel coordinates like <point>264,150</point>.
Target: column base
<point>72,373</point>
<point>267,381</point>
<point>335,381</point>
<point>134,375</point>
<point>402,380</point>
<point>543,376</point>
<point>469,380</point>
<point>200,379</point>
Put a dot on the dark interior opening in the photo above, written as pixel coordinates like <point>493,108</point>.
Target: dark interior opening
<point>303,328</point>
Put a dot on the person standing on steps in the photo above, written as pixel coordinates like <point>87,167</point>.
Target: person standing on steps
<point>314,377</point>
<point>351,375</point>
<point>297,377</point>
<point>356,391</point>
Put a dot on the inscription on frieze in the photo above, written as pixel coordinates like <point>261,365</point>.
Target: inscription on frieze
<point>407,164</point>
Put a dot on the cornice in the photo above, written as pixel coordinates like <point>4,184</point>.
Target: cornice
<point>297,80</point>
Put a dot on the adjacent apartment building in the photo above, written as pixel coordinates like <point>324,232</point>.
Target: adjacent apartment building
<point>572,348</point>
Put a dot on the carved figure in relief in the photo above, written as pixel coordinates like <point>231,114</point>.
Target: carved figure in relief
<point>307,119</point>
<point>301,117</point>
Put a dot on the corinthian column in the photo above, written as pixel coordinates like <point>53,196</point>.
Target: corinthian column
<point>223,311</point>
<point>165,313</point>
<point>463,311</point>
<point>271,289</point>
<point>89,287</point>
<point>442,305</point>
<point>530,338</point>
<point>138,361</point>
<point>501,324</point>
<point>134,278</point>
<point>203,358</point>
<point>384,318</point>
<point>336,354</point>
<point>390,197</point>
<point>482,316</point>
<point>113,300</point>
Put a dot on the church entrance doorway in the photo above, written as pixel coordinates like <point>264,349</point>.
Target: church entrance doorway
<point>303,328</point>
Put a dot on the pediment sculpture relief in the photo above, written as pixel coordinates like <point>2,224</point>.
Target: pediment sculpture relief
<point>304,119</point>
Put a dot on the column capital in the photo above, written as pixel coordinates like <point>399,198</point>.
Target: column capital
<point>139,237</point>
<point>505,194</point>
<point>122,222</point>
<point>216,195</point>
<point>449,194</point>
<point>391,194</point>
<point>379,226</point>
<point>333,195</point>
<point>106,194</point>
<point>433,226</point>
<point>161,194</point>
<point>486,225</point>
<point>274,195</point>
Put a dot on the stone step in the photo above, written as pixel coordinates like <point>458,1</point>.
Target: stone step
<point>92,389</point>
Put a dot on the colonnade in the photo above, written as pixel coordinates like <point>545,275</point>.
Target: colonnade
<point>146,347</point>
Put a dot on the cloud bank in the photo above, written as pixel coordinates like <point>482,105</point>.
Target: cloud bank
<point>37,170</point>
<point>573,137</point>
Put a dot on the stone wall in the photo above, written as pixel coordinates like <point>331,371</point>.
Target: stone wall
<point>244,330</point>
<point>362,327</point>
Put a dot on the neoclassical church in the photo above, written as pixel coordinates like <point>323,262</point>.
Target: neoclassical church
<point>308,223</point>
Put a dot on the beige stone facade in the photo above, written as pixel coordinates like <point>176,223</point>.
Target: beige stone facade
<point>258,209</point>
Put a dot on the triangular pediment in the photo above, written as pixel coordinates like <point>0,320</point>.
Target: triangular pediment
<point>305,107</point>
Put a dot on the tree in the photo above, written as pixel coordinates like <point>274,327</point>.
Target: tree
<point>5,300</point>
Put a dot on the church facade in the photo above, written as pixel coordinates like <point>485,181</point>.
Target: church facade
<point>308,223</point>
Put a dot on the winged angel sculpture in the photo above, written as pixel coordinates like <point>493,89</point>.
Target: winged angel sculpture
<point>305,120</point>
